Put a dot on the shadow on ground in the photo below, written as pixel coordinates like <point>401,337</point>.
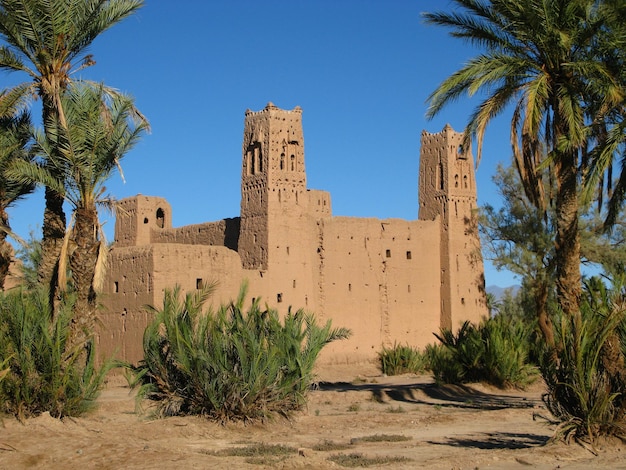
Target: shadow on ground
<point>459,396</point>
<point>492,441</point>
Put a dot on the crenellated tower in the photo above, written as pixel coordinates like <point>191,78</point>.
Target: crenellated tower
<point>273,178</point>
<point>447,189</point>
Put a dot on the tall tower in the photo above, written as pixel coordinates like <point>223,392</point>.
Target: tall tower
<point>273,178</point>
<point>447,189</point>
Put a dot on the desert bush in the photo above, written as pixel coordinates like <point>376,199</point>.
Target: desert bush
<point>401,359</point>
<point>228,364</point>
<point>40,374</point>
<point>495,352</point>
<point>587,381</point>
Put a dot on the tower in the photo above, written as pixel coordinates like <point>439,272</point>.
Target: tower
<point>447,189</point>
<point>273,178</point>
<point>137,216</point>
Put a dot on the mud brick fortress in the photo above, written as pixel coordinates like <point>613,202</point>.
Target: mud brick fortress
<point>387,280</point>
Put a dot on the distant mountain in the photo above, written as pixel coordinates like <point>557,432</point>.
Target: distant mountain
<point>498,292</point>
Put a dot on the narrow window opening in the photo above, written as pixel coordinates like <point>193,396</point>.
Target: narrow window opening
<point>160,218</point>
<point>349,287</point>
<point>279,297</point>
<point>440,176</point>
<point>388,253</point>
<point>287,250</point>
<point>294,283</point>
<point>409,255</point>
<point>282,161</point>
<point>409,288</point>
<point>145,220</point>
<point>465,181</point>
<point>116,287</point>
<point>293,163</point>
<point>462,300</point>
<point>199,283</point>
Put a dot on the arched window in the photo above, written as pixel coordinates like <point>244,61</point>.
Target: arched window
<point>282,161</point>
<point>160,218</point>
<point>293,163</point>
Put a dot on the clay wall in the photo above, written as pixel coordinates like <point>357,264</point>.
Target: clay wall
<point>140,276</point>
<point>221,233</point>
<point>129,288</point>
<point>379,278</point>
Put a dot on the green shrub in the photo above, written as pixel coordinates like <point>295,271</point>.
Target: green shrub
<point>39,373</point>
<point>401,359</point>
<point>229,365</point>
<point>495,352</point>
<point>587,381</point>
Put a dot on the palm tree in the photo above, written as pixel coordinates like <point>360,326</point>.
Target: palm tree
<point>99,131</point>
<point>610,130</point>
<point>47,40</point>
<point>538,59</point>
<point>15,140</point>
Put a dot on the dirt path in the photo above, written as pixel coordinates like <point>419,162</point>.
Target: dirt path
<point>355,414</point>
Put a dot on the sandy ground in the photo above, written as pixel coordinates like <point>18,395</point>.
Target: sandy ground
<point>355,410</point>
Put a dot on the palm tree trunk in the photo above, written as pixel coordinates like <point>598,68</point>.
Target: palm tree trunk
<point>53,233</point>
<point>83,265</point>
<point>540,291</point>
<point>568,278</point>
<point>6,250</point>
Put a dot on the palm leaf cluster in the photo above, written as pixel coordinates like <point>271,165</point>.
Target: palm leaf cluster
<point>15,146</point>
<point>587,384</point>
<point>229,364</point>
<point>47,42</point>
<point>496,352</point>
<point>40,373</point>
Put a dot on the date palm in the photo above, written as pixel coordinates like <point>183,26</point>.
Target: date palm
<point>47,40</point>
<point>15,142</point>
<point>100,129</point>
<point>539,62</point>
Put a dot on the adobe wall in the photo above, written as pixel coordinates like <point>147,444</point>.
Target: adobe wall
<point>377,279</point>
<point>128,288</point>
<point>221,233</point>
<point>139,276</point>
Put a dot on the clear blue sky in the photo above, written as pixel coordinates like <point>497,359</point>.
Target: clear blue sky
<point>360,69</point>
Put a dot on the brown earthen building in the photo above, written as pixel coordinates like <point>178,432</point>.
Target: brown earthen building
<point>387,280</point>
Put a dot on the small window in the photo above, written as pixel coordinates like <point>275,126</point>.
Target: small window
<point>116,287</point>
<point>199,283</point>
<point>145,220</point>
<point>462,300</point>
<point>160,218</point>
<point>294,283</point>
<point>409,255</point>
<point>388,253</point>
<point>279,297</point>
<point>349,287</point>
<point>409,288</point>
